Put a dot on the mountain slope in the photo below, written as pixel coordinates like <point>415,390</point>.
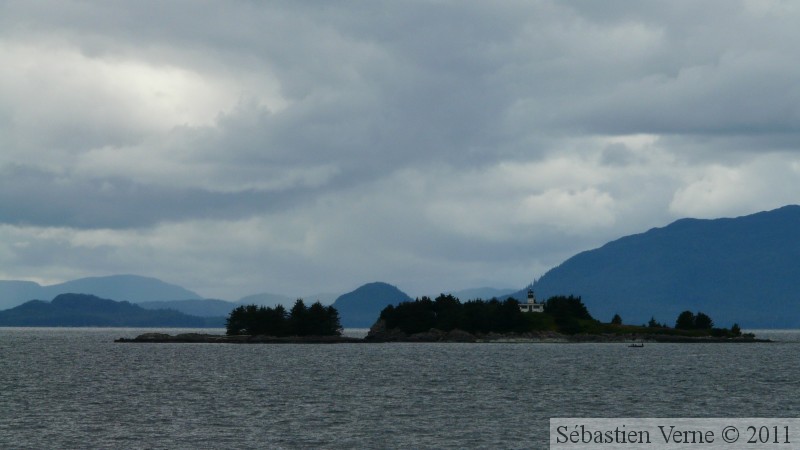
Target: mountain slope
<point>81,310</point>
<point>744,270</point>
<point>361,307</point>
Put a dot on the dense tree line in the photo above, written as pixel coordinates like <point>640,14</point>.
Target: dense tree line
<point>562,306</point>
<point>565,314</point>
<point>447,313</point>
<point>315,320</point>
<point>569,313</point>
<point>688,320</point>
<point>702,323</point>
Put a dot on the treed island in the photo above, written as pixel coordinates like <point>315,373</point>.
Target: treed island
<point>560,318</point>
<point>316,320</point>
<point>447,319</point>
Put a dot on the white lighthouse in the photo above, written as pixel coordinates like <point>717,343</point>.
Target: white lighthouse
<point>531,305</point>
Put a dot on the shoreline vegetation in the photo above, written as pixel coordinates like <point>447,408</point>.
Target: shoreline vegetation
<point>434,336</point>
<point>447,319</point>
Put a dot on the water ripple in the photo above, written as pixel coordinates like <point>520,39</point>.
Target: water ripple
<point>75,388</point>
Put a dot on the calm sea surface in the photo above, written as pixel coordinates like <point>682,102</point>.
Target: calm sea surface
<point>75,388</point>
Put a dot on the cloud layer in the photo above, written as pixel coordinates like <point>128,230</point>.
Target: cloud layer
<point>308,147</point>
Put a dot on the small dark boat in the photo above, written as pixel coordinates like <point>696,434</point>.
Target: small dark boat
<point>637,345</point>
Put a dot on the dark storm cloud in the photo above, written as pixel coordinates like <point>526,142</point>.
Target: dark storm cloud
<point>429,140</point>
<point>32,197</point>
<point>384,86</point>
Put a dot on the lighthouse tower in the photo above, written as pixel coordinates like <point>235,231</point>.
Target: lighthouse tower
<point>531,305</point>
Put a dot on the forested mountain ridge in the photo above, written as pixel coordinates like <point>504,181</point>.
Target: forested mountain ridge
<point>744,269</point>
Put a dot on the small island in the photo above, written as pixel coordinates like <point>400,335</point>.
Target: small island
<point>196,338</point>
<point>252,324</point>
<point>559,319</point>
<point>447,319</point>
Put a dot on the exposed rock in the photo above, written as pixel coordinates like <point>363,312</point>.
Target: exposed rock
<point>240,339</point>
<point>460,336</point>
<point>379,333</point>
<point>432,335</point>
<point>152,337</point>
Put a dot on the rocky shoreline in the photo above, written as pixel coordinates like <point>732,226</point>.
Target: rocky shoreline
<point>378,335</point>
<point>189,338</point>
<point>550,336</point>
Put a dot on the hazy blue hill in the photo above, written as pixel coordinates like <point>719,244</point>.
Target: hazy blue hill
<point>131,288</point>
<point>200,308</point>
<point>13,292</point>
<point>361,307</point>
<point>81,310</point>
<point>744,270</point>
<point>484,293</point>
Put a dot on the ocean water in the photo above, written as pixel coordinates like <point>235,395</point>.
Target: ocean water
<point>76,388</point>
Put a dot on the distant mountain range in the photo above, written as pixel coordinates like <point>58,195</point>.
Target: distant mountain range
<point>24,303</point>
<point>147,292</point>
<point>359,308</point>
<point>744,269</point>
<point>82,310</point>
<point>131,288</point>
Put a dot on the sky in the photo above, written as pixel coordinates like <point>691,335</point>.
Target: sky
<point>238,147</point>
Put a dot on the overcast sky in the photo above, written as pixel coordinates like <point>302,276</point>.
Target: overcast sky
<point>238,147</point>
